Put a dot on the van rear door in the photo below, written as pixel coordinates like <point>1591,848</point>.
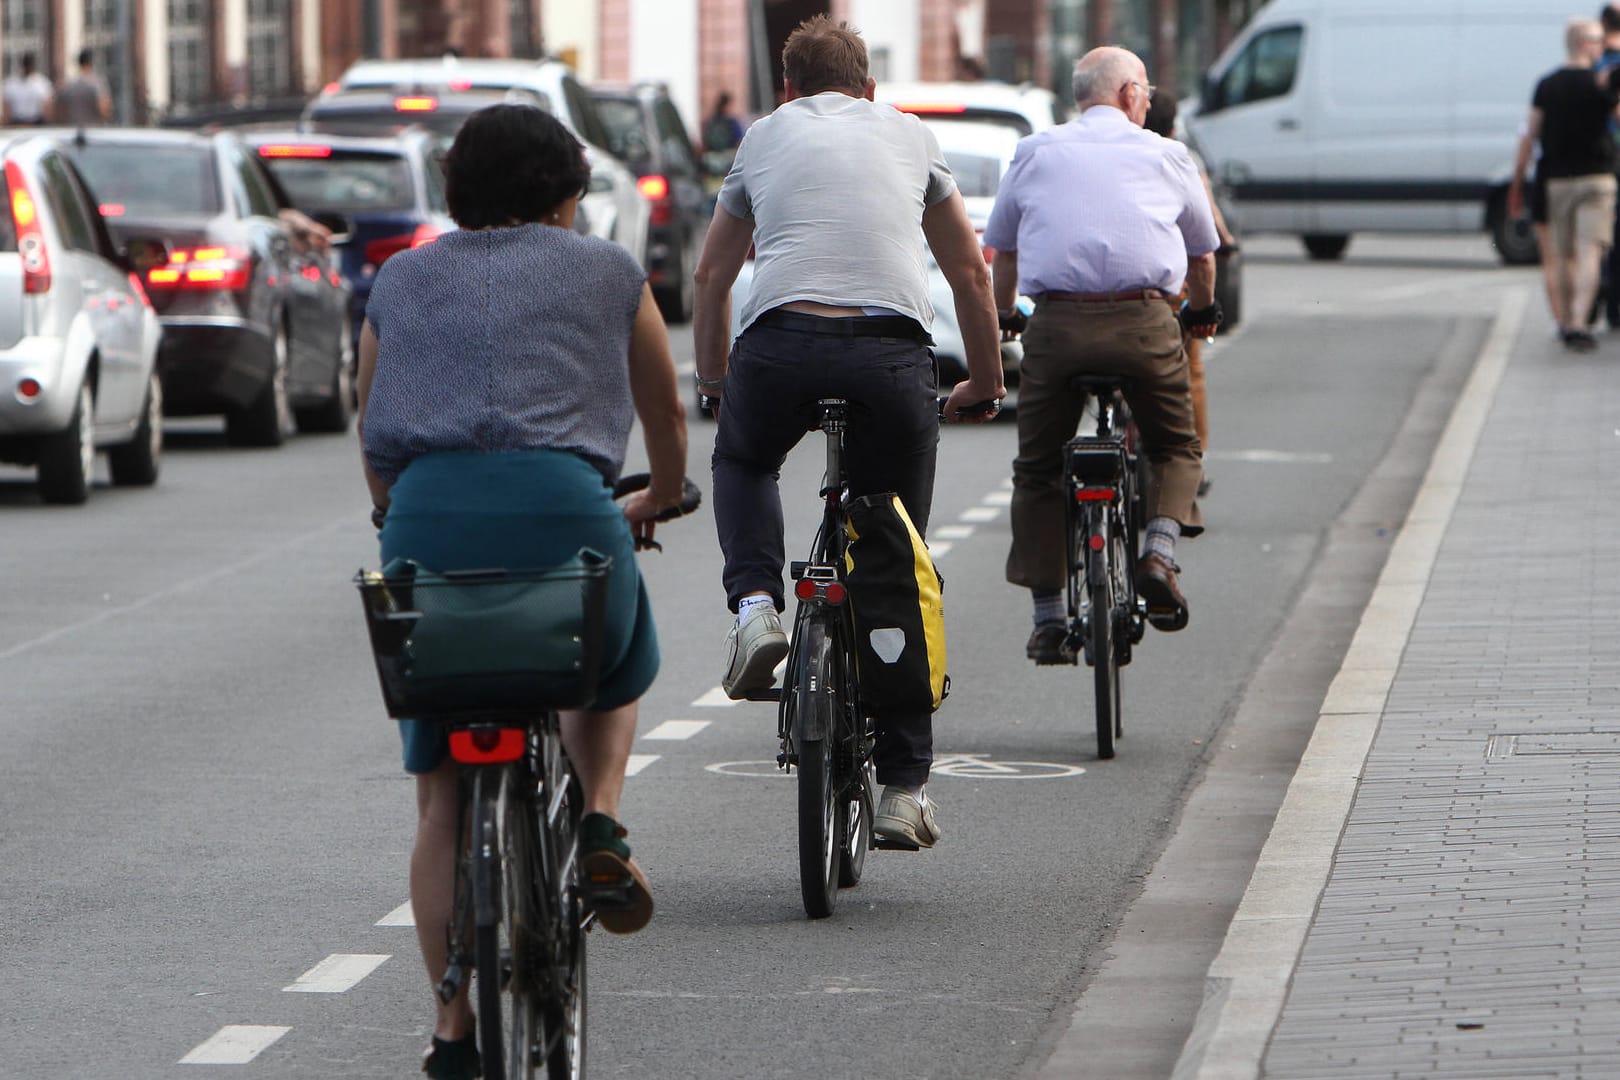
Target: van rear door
<point>1253,125</point>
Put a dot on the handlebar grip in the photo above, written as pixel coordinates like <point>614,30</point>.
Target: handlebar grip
<point>691,494</point>
<point>987,407</point>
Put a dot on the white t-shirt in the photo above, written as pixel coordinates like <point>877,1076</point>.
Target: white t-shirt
<point>26,99</point>
<point>836,187</point>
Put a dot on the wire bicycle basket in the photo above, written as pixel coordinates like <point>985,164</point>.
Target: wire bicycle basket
<point>487,641</point>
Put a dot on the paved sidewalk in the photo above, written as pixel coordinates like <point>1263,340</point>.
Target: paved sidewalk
<point>1441,893</point>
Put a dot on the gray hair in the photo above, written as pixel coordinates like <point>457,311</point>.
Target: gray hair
<point>1100,73</point>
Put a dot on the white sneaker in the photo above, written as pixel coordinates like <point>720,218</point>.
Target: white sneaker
<point>754,647</point>
<point>906,819</point>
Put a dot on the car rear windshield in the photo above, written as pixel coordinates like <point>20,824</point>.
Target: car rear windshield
<point>346,181</point>
<point>386,120</point>
<point>952,114</point>
<point>977,175</point>
<point>151,181</point>
<point>627,139</point>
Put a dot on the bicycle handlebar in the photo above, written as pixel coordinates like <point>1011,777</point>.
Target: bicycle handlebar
<point>987,407</point>
<point>691,494</point>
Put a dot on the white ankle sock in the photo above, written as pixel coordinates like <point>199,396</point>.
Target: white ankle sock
<point>748,603</point>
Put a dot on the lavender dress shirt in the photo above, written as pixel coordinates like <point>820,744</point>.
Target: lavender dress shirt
<point>1101,205</point>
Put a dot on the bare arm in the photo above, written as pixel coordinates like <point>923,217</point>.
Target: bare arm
<point>956,248</point>
<point>1004,274</point>
<point>657,398</point>
<point>367,371</point>
<point>1201,280</point>
<point>1521,164</point>
<point>724,250</point>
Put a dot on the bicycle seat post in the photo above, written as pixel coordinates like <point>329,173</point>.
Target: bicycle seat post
<point>834,415</point>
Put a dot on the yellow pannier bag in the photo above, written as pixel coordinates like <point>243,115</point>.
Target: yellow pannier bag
<point>896,594</point>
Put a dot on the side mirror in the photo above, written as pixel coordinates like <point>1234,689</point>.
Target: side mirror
<point>138,254</point>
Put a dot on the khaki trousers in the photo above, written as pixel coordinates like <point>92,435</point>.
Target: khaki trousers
<point>1136,339</point>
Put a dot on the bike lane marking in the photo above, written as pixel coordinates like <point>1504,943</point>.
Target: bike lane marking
<point>400,916</point>
<point>676,729</point>
<point>953,532</point>
<point>979,514</point>
<point>235,1044</point>
<point>638,762</point>
<point>336,974</point>
<point>960,766</point>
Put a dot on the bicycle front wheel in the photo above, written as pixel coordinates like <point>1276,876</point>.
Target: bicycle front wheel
<point>813,698</point>
<point>1100,642</point>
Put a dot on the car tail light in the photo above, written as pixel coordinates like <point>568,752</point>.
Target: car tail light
<point>487,745</point>
<point>935,107</point>
<point>656,191</point>
<point>380,250</point>
<point>218,268</point>
<point>36,259</point>
<point>111,209</point>
<point>139,289</point>
<point>294,150</point>
<point>415,104</point>
<point>331,88</point>
<point>460,84</point>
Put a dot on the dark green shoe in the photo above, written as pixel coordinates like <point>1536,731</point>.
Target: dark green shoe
<point>613,885</point>
<point>456,1060</point>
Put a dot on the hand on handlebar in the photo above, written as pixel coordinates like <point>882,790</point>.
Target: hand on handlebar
<point>1200,322</point>
<point>968,405</point>
<point>644,512</point>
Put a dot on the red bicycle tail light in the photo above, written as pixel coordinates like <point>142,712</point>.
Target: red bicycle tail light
<point>294,150</point>
<point>36,259</point>
<point>1095,542</point>
<point>1094,494</point>
<point>415,104</point>
<point>836,593</point>
<point>831,592</point>
<point>487,745</point>
<point>804,589</point>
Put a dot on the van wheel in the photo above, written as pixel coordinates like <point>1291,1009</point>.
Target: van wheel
<point>135,464</point>
<point>1514,238</point>
<point>67,459</point>
<point>1326,245</point>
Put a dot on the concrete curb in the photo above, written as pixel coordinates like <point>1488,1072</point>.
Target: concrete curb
<point>1247,984</point>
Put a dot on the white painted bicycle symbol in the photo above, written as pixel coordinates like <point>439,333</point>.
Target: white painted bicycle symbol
<point>962,766</point>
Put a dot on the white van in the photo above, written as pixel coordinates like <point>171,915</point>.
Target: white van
<point>1331,117</point>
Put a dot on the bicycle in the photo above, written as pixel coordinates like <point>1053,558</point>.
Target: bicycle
<point>1105,514</point>
<point>459,648</point>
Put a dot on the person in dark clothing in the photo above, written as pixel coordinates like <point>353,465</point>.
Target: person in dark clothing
<point>1609,18</point>
<point>1569,115</point>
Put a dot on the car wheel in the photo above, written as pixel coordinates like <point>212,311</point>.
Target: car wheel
<point>1514,238</point>
<point>135,464</point>
<point>675,301</point>
<point>332,416</point>
<point>1325,246</point>
<point>67,459</point>
<point>269,419</point>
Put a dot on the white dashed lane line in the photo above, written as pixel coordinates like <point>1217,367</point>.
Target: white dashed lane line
<point>953,532</point>
<point>336,974</point>
<point>714,699</point>
<point>980,513</point>
<point>235,1044</point>
<point>638,762</point>
<point>400,916</point>
<point>676,729</point>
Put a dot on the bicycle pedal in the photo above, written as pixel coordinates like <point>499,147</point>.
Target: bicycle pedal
<point>607,892</point>
<point>786,760</point>
<point>770,693</point>
<point>884,843</point>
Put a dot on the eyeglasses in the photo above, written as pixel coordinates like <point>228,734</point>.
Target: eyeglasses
<point>1147,88</point>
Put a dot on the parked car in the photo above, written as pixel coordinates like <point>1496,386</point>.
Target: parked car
<point>255,318</point>
<point>380,196</point>
<point>78,337</point>
<point>439,93</point>
<point>645,131</point>
<point>1025,108</point>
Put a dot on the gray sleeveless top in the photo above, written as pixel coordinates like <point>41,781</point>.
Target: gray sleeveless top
<point>503,339</point>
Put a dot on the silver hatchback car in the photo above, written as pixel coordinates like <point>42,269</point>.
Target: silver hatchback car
<point>78,336</point>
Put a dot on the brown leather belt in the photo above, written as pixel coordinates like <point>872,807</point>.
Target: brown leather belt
<point>1106,297</point>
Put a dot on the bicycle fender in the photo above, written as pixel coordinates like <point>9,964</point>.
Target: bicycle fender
<point>815,694</point>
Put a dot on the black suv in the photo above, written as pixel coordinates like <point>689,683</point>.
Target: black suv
<point>644,130</point>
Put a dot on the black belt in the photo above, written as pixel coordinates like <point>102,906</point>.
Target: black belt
<point>889,326</point>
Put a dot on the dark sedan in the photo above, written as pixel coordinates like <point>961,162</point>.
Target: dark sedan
<point>254,312</point>
<point>383,195</point>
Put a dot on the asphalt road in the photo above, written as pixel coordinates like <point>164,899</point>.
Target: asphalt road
<point>200,798</point>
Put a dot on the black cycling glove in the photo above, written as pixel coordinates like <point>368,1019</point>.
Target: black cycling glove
<point>1208,316</point>
<point>1012,321</point>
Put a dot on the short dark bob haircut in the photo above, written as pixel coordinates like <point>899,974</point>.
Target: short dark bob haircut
<point>511,164</point>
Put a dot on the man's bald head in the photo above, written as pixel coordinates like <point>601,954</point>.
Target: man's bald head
<point>1113,76</point>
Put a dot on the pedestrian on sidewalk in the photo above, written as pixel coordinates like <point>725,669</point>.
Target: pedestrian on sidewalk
<point>1569,115</point>
<point>838,196</point>
<point>1161,120</point>
<point>27,93</point>
<point>83,101</point>
<point>1101,222</point>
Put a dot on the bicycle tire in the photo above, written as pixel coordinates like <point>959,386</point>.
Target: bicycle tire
<point>1100,640</point>
<point>490,970</point>
<point>563,1008</point>
<point>820,810</point>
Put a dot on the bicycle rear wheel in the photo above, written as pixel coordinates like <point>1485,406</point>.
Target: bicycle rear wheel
<point>561,1038</point>
<point>1100,640</point>
<point>813,698</point>
<point>492,954</point>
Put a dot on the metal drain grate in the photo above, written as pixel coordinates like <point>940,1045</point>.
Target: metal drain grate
<point>1552,744</point>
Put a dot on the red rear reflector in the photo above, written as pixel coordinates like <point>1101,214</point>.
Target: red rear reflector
<point>929,107</point>
<point>835,593</point>
<point>415,104</point>
<point>653,187</point>
<point>111,209</point>
<point>805,589</point>
<point>311,273</point>
<point>487,746</point>
<point>1095,543</point>
<point>1094,495</point>
<point>290,150</point>
<point>28,389</point>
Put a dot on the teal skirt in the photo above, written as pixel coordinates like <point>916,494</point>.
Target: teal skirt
<point>521,510</point>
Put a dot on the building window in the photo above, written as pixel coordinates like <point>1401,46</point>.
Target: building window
<point>191,55</point>
<point>102,38</point>
<point>27,29</point>
<point>269,43</point>
<point>525,41</point>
